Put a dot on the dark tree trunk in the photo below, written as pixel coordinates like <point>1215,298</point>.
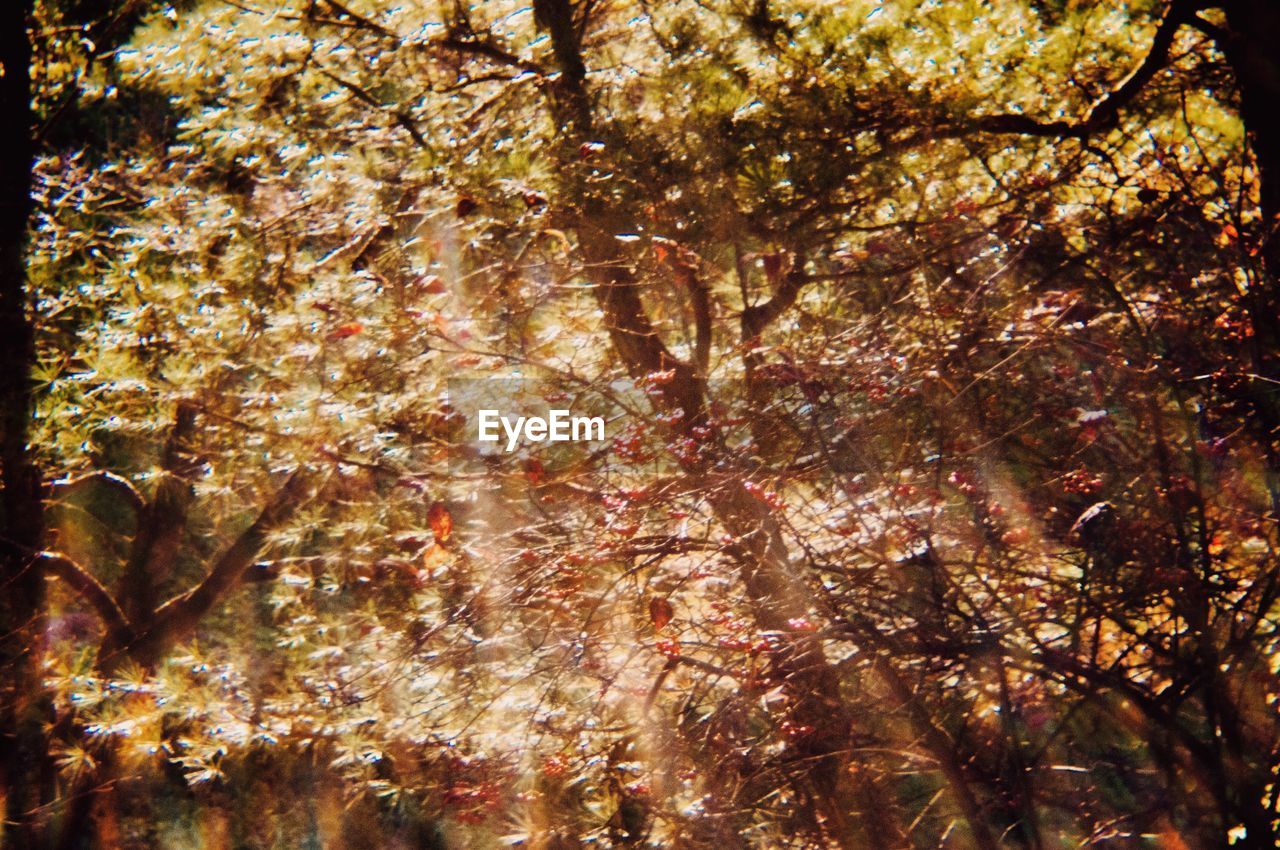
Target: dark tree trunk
<point>1251,48</point>
<point>1250,45</point>
<point>24,763</point>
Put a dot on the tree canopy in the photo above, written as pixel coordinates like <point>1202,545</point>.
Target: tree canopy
<point>938,346</point>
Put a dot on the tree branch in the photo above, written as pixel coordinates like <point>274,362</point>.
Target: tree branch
<point>401,117</point>
<point>939,745</point>
<point>365,23</point>
<point>556,17</point>
<point>162,523</point>
<point>1215,32</point>
<point>181,614</point>
<point>684,263</point>
<point>91,591</point>
<point>787,285</point>
<point>117,484</point>
<point>701,297</point>
<point>1104,114</point>
<point>488,50</point>
<point>617,290</point>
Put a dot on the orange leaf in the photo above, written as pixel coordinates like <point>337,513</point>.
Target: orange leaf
<point>347,330</point>
<point>660,612</point>
<point>441,522</point>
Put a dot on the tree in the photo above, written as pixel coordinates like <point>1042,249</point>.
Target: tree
<point>935,341</point>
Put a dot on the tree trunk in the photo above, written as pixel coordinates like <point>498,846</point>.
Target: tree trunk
<point>1250,48</point>
<point>1253,31</point>
<point>25,772</point>
<point>816,761</point>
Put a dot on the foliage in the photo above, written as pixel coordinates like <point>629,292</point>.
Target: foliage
<point>939,505</point>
